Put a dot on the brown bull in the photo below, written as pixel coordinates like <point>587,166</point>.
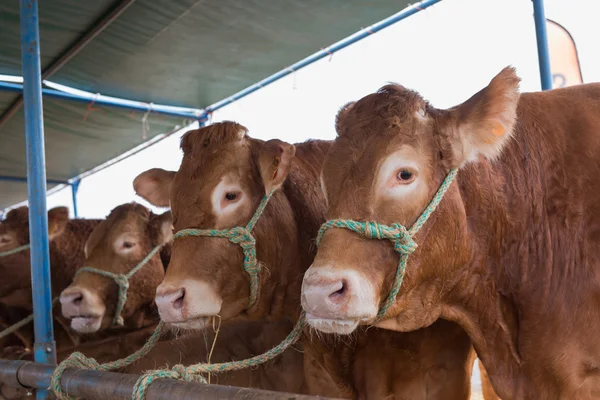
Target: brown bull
<point>510,254</point>
<point>223,177</point>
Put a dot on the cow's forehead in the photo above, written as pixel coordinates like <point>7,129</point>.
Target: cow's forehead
<point>127,216</point>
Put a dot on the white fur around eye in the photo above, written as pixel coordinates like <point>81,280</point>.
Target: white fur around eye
<point>125,244</point>
<point>387,180</point>
<point>221,205</point>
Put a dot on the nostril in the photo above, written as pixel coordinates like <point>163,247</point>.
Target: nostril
<point>77,299</point>
<point>178,302</point>
<point>340,290</point>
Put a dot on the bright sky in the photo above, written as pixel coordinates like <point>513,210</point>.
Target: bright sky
<point>447,53</point>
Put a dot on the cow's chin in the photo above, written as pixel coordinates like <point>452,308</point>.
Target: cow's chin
<point>336,326</point>
<point>87,324</point>
<point>193,324</point>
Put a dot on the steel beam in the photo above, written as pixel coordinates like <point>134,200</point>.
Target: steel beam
<point>44,348</point>
<point>95,385</point>
<point>189,113</point>
<point>542,44</point>
<point>74,189</point>
<point>24,180</point>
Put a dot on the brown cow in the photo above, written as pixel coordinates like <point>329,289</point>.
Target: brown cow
<point>67,238</point>
<point>223,176</point>
<point>509,254</point>
<point>117,245</point>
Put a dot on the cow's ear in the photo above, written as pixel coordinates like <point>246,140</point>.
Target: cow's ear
<point>154,186</point>
<point>274,161</point>
<point>58,218</point>
<point>162,225</point>
<point>484,124</point>
<point>340,119</point>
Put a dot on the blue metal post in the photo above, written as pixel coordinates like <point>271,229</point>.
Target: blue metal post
<point>74,190</point>
<point>44,348</point>
<point>542,44</point>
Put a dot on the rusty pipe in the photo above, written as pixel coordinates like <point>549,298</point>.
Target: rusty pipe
<point>95,385</point>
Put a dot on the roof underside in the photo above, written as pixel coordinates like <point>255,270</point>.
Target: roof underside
<point>189,53</point>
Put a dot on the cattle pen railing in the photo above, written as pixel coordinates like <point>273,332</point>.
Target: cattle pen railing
<point>97,385</point>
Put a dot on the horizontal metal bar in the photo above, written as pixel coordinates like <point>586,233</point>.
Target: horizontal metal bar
<point>24,180</point>
<point>363,33</point>
<point>95,385</point>
<point>111,101</point>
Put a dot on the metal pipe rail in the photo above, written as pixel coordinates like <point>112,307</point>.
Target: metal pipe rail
<point>96,385</point>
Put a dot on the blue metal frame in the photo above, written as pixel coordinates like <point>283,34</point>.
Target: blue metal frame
<point>112,102</point>
<point>539,17</point>
<point>74,189</point>
<point>24,180</point>
<point>44,348</point>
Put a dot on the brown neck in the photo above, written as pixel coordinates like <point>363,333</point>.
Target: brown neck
<point>302,190</point>
<point>528,280</point>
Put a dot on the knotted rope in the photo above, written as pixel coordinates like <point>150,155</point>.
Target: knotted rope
<point>401,237</point>
<point>193,372</point>
<point>14,251</point>
<point>242,236</point>
<point>122,281</point>
<point>78,360</point>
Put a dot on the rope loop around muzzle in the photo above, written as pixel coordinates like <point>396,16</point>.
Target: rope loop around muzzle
<point>242,236</point>
<point>122,281</point>
<point>401,237</point>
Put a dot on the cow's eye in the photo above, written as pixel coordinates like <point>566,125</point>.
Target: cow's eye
<point>231,196</point>
<point>405,176</point>
<point>128,245</point>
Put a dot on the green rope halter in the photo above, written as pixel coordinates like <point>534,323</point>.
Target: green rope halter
<point>241,235</point>
<point>396,233</point>
<point>14,251</point>
<point>122,281</point>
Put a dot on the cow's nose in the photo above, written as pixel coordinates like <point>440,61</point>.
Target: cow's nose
<point>76,301</point>
<point>74,298</point>
<point>170,302</point>
<point>329,293</point>
<point>327,296</point>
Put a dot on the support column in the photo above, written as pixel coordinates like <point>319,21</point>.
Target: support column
<point>542,44</point>
<point>74,190</point>
<point>44,348</point>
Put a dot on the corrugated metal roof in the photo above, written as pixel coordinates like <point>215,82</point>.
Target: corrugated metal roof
<point>189,53</point>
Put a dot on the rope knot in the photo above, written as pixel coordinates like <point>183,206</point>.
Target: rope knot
<point>122,281</point>
<point>182,373</point>
<point>242,236</point>
<point>403,241</point>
